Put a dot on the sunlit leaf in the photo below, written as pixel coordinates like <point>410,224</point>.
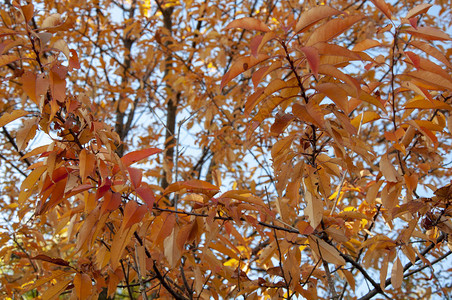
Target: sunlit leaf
<point>314,15</point>
<point>249,24</point>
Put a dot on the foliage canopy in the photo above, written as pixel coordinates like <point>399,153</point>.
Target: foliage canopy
<point>225,149</point>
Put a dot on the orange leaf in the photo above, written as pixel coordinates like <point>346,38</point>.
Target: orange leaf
<point>312,55</point>
<point>28,80</point>
<point>14,115</point>
<point>384,271</point>
<point>87,164</point>
<point>365,117</point>
<point>241,65</point>
<point>366,44</point>
<point>171,249</point>
<point>7,59</point>
<point>383,7</point>
<point>314,15</point>
<point>147,195</point>
<point>430,50</point>
<point>54,291</point>
<point>135,176</point>
<point>248,24</point>
<point>336,73</point>
<point>133,214</point>
<point>111,202</point>
<point>120,241</point>
<point>194,185</point>
<point>254,44</point>
<point>335,93</point>
<point>332,29</point>
<point>262,72</point>
<point>73,60</point>
<point>428,33</point>
<point>166,228</point>
<point>82,285</point>
<point>418,9</point>
<point>133,157</point>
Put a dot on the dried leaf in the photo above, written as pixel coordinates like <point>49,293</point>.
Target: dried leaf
<point>325,251</point>
<point>82,285</point>
<point>397,274</point>
<point>387,169</point>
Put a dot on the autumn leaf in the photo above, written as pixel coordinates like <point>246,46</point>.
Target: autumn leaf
<point>314,15</point>
<point>397,274</point>
<point>325,251</point>
<point>248,24</point>
<point>241,66</point>
<point>7,118</point>
<point>332,29</point>
<point>135,156</point>
<point>82,285</point>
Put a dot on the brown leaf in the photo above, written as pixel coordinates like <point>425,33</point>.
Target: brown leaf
<point>56,261</point>
<point>82,285</point>
<point>388,170</point>
<point>397,274</point>
<point>325,251</point>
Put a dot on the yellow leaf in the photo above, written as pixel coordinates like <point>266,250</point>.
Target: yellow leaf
<point>55,274</point>
<point>349,277</point>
